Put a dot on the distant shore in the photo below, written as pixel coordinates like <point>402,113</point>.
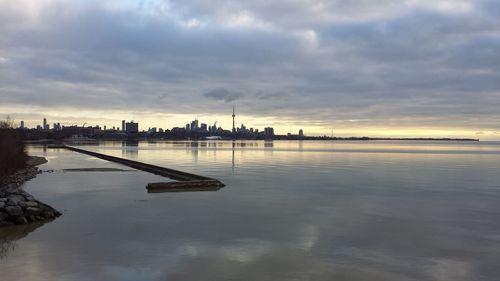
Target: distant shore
<point>277,138</point>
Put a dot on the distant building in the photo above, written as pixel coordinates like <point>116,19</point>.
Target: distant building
<point>269,132</point>
<point>301,133</point>
<point>123,125</point>
<point>45,125</point>
<point>188,127</point>
<point>132,127</point>
<point>22,125</point>
<point>56,127</point>
<point>203,127</point>
<point>194,125</point>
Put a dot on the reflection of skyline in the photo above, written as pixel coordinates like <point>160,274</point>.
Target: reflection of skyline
<point>130,149</point>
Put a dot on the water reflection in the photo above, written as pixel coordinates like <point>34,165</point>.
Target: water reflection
<point>11,234</point>
<point>290,211</point>
<point>130,149</point>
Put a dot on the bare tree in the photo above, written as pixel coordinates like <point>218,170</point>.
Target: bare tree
<point>7,123</point>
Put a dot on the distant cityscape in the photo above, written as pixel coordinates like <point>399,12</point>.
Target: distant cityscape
<point>193,130</point>
<point>131,129</point>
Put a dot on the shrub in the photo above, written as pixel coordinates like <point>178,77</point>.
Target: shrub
<point>12,151</point>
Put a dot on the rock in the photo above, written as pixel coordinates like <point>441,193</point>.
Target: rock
<point>16,198</point>
<point>11,186</point>
<point>21,220</point>
<point>3,216</point>
<point>47,214</point>
<point>10,202</point>
<point>2,205</point>
<point>31,211</point>
<point>14,211</point>
<point>22,204</point>
<point>29,198</point>
<point>3,200</point>
<point>31,204</point>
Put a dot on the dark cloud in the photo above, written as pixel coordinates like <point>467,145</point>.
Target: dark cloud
<point>222,94</point>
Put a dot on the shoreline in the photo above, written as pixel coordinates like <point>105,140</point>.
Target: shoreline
<point>18,207</point>
<point>97,139</point>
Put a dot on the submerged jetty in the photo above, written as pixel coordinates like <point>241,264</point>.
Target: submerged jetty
<point>184,181</point>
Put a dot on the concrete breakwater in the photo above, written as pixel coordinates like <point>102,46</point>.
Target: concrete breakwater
<point>188,181</point>
<point>16,205</point>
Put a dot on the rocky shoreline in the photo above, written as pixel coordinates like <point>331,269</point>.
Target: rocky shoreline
<point>18,207</point>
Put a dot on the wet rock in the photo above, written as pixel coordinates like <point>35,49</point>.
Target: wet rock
<point>14,211</point>
<point>16,198</point>
<point>3,200</point>
<point>32,211</point>
<point>48,214</point>
<point>2,205</point>
<point>6,223</point>
<point>21,220</point>
<point>10,202</point>
<point>31,204</point>
<point>3,216</point>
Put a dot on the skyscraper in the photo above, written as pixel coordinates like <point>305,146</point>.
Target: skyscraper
<point>22,125</point>
<point>132,127</point>
<point>234,125</point>
<point>45,125</point>
<point>123,125</point>
<point>269,132</point>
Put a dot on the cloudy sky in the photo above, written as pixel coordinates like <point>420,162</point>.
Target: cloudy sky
<point>360,67</point>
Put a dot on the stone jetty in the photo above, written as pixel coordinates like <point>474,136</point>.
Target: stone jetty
<point>16,205</point>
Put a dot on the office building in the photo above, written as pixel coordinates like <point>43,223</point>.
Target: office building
<point>301,133</point>
<point>269,132</point>
<point>123,125</point>
<point>132,127</point>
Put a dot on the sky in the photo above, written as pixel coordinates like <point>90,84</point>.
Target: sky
<point>401,68</point>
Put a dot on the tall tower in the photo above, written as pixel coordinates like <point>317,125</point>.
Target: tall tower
<point>234,127</point>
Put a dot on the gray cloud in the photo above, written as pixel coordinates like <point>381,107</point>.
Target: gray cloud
<point>428,61</point>
<point>222,94</point>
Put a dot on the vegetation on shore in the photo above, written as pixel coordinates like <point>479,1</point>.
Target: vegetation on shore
<point>13,155</point>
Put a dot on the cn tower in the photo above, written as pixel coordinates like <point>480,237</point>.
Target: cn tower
<point>234,127</point>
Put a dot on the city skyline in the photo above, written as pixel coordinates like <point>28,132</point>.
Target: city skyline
<point>133,126</point>
<point>414,68</point>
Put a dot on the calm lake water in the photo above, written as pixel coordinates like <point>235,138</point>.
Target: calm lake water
<point>290,211</point>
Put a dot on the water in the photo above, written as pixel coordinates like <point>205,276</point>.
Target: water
<point>290,211</point>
